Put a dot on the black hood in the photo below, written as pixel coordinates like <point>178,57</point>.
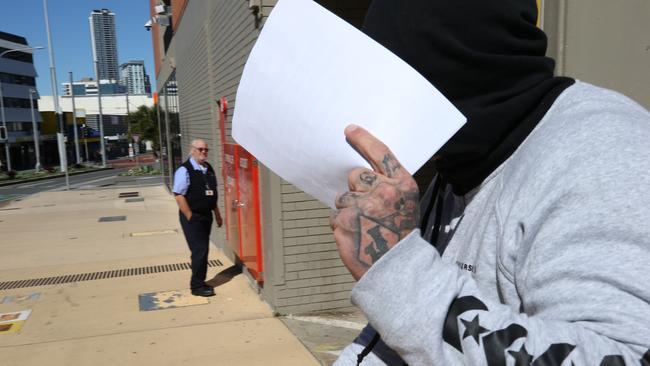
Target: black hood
<point>488,58</point>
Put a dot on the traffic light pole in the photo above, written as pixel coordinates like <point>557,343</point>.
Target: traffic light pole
<point>86,148</point>
<point>84,134</point>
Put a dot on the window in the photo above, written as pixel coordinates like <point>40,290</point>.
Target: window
<point>18,55</point>
<point>22,127</point>
<point>17,79</point>
<point>15,126</point>
<point>18,103</point>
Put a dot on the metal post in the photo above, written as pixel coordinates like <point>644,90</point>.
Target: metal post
<point>64,163</point>
<point>86,140</point>
<point>74,122</point>
<point>170,163</point>
<point>4,124</point>
<point>86,146</point>
<point>37,142</point>
<point>101,117</point>
<point>128,120</point>
<point>159,121</point>
<point>50,46</point>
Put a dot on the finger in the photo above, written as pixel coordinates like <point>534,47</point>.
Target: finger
<point>333,221</point>
<point>375,152</point>
<point>362,180</point>
<point>346,219</point>
<point>347,199</point>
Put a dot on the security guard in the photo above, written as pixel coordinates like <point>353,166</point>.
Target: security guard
<point>195,190</point>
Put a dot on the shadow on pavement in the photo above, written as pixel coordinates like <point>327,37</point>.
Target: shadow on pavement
<point>224,276</point>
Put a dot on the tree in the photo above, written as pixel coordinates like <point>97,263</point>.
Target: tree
<point>144,122</point>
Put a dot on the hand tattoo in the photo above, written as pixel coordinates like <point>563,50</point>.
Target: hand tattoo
<point>347,199</point>
<point>368,178</point>
<point>376,234</point>
<point>390,164</point>
<point>380,209</point>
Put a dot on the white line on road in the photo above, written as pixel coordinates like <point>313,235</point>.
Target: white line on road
<point>27,185</point>
<point>77,185</point>
<point>46,182</point>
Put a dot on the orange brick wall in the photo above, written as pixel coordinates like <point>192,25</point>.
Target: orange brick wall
<point>178,7</point>
<point>155,39</point>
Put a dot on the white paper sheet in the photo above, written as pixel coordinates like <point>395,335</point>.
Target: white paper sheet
<point>309,75</point>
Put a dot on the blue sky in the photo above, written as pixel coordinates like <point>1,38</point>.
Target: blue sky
<point>71,35</point>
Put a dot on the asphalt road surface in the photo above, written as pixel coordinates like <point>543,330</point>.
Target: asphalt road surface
<point>100,179</point>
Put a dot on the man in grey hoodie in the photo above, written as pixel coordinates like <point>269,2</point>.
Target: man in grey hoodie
<point>531,245</point>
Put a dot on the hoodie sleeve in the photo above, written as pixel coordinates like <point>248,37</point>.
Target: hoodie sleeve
<point>573,241</point>
<point>433,314</point>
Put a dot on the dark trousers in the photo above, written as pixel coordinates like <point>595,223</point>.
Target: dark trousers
<point>197,235</point>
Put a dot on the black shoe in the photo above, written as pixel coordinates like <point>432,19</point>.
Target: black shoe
<point>205,291</point>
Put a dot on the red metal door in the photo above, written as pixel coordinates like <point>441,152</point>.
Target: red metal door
<point>249,213</point>
<point>231,199</point>
<point>241,201</point>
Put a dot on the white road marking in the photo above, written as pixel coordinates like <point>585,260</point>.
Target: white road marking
<point>81,184</point>
<point>28,185</point>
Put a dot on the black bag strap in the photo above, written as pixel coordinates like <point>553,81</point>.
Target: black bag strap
<point>368,348</point>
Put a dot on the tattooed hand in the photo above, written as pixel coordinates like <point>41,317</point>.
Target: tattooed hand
<point>380,209</point>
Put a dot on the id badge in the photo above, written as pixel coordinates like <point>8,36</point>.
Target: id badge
<point>209,192</point>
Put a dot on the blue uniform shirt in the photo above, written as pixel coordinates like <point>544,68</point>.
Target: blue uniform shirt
<point>182,177</point>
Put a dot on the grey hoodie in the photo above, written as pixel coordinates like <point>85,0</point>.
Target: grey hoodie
<point>546,263</point>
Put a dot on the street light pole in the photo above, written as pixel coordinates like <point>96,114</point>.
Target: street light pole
<point>37,167</point>
<point>74,122</point>
<point>50,47</point>
<point>2,104</point>
<point>101,117</point>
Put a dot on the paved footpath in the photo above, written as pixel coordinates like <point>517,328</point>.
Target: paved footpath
<point>75,290</point>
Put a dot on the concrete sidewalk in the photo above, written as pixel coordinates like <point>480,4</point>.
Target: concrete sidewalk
<point>139,312</point>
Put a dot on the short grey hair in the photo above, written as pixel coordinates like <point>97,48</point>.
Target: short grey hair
<point>195,141</point>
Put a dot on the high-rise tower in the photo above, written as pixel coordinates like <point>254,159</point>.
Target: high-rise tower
<point>104,43</point>
<point>134,77</point>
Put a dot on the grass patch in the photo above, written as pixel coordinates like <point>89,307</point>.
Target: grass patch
<point>141,171</point>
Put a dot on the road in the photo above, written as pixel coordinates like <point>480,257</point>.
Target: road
<point>104,178</point>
